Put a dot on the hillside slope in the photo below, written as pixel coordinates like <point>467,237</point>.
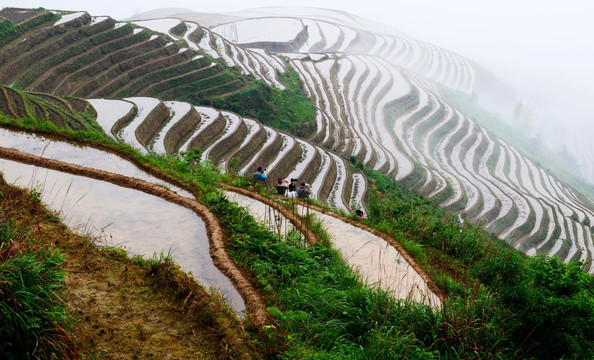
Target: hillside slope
<point>380,108</point>
<point>384,110</point>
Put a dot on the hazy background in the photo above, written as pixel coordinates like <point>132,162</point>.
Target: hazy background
<point>543,48</point>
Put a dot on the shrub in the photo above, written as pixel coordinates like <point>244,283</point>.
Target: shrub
<point>287,110</point>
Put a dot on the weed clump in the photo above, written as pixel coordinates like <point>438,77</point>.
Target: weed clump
<point>33,318</point>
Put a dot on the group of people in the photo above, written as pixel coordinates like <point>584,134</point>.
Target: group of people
<point>284,186</point>
<point>287,188</point>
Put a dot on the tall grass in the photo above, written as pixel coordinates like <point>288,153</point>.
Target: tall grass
<point>324,311</point>
<point>521,307</point>
<point>34,321</point>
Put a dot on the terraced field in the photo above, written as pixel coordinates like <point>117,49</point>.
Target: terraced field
<point>332,32</point>
<point>170,127</point>
<point>382,107</point>
<point>252,62</point>
<point>85,56</point>
<point>375,96</point>
<point>443,154</point>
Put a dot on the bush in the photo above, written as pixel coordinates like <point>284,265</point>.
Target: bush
<point>538,307</point>
<point>557,313</point>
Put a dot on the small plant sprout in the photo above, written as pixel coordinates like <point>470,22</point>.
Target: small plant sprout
<point>36,193</point>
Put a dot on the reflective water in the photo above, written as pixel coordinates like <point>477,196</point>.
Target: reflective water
<point>79,155</point>
<point>142,224</point>
<point>379,263</point>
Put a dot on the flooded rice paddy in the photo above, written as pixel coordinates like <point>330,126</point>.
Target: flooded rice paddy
<point>142,224</point>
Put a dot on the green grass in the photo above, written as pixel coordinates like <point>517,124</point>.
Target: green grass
<point>10,31</point>
<point>34,320</point>
<point>287,110</point>
<point>534,298</point>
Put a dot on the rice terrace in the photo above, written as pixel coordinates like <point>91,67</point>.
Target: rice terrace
<point>133,227</point>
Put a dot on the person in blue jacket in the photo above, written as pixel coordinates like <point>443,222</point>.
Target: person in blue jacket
<point>260,175</point>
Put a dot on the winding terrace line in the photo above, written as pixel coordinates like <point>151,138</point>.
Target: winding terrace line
<point>312,238</point>
<point>253,301</point>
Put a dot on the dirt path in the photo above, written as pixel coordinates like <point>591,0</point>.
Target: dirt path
<point>254,303</point>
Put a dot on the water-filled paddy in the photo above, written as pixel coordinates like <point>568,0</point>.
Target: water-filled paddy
<point>141,223</point>
<point>79,155</point>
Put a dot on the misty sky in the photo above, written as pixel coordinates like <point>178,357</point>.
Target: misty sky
<point>545,48</point>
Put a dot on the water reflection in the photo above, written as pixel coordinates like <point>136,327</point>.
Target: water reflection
<point>143,224</point>
<point>79,155</point>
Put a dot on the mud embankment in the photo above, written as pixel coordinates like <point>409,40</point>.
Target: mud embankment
<point>254,304</point>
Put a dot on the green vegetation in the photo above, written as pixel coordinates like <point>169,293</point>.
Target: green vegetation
<point>533,300</point>
<point>322,309</point>
<point>179,29</point>
<point>58,112</point>
<point>10,31</point>
<point>34,320</point>
<point>287,110</point>
<point>501,304</point>
<point>149,70</point>
<point>561,164</point>
<point>125,307</point>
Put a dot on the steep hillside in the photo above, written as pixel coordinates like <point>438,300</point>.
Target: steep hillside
<point>84,56</point>
<point>321,307</point>
<point>236,143</point>
<point>170,99</point>
<point>384,110</point>
<point>379,108</point>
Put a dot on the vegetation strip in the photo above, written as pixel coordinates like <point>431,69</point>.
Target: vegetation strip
<point>311,237</point>
<point>254,303</point>
<point>397,245</point>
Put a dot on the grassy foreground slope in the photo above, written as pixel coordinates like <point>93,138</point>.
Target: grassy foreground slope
<point>501,303</point>
<point>64,297</point>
